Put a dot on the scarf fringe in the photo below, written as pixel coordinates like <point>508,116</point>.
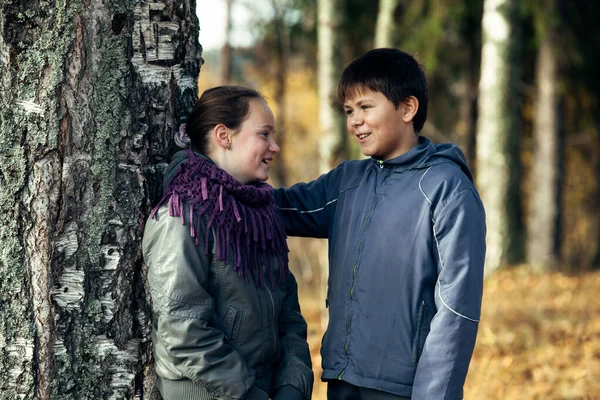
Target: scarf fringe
<point>253,233</point>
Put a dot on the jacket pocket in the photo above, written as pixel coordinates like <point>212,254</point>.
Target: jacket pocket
<point>231,323</point>
<point>421,333</point>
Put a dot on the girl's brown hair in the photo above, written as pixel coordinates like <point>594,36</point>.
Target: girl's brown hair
<point>227,105</point>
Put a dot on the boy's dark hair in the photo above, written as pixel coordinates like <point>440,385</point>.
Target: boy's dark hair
<point>392,72</point>
<point>227,105</point>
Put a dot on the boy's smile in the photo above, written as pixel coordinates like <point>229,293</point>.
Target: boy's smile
<point>382,131</point>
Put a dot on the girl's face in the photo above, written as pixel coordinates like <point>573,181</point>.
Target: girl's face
<point>253,147</point>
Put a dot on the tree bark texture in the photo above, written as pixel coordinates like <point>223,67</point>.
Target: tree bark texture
<point>543,225</point>
<point>498,157</point>
<point>90,94</point>
<point>384,28</point>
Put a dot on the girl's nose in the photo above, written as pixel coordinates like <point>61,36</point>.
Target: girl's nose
<point>274,147</point>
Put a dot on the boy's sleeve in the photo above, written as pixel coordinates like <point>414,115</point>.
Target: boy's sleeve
<point>459,230</point>
<point>294,378</point>
<point>306,208</point>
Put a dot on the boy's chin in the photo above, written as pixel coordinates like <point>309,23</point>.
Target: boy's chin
<point>367,153</point>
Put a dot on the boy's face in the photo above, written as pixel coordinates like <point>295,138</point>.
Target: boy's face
<point>382,131</point>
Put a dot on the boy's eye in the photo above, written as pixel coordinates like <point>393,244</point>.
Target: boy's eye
<point>365,107</point>
<point>349,112</point>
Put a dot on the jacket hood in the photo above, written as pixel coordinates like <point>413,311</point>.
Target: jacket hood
<point>447,153</point>
<point>179,158</point>
<point>426,154</point>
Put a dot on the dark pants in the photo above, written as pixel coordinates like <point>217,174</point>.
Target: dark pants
<point>340,390</point>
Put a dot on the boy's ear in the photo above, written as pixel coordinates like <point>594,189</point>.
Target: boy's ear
<point>221,135</point>
<point>410,106</point>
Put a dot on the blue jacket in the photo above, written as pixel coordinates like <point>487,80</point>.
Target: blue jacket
<point>406,254</point>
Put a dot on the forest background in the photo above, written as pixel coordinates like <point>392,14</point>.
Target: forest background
<point>93,91</point>
<point>540,327</point>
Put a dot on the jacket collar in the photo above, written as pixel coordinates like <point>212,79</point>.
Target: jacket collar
<point>411,159</point>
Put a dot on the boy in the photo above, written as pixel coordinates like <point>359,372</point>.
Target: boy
<point>406,232</point>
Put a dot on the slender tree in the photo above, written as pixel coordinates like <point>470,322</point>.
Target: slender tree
<point>90,94</point>
<point>579,23</point>
<point>468,53</point>
<point>384,29</point>
<point>544,216</point>
<point>498,158</point>
<point>330,63</point>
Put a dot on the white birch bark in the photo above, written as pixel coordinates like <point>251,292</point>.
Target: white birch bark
<point>498,166</point>
<point>330,65</point>
<point>90,93</point>
<point>384,28</point>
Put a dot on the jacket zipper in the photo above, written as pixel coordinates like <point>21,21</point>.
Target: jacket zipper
<point>273,320</point>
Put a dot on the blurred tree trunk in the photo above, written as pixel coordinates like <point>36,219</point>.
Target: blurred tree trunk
<point>90,94</point>
<point>543,225</point>
<point>281,59</point>
<point>498,158</point>
<point>226,50</point>
<point>467,109</point>
<point>332,146</point>
<point>469,56</point>
<point>596,261</point>
<point>385,27</point>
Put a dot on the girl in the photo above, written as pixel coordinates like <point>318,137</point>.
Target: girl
<point>226,318</point>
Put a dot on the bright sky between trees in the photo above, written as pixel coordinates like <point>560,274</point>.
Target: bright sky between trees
<point>211,14</point>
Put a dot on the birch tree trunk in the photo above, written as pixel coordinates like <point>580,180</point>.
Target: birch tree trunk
<point>90,93</point>
<point>332,147</point>
<point>385,26</point>
<point>498,159</point>
<point>543,225</point>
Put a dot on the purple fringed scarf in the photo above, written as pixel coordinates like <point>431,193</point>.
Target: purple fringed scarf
<point>244,217</point>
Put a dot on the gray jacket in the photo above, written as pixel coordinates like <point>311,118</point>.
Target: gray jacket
<point>216,336</point>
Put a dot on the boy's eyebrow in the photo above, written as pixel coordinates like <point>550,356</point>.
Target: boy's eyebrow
<point>358,103</point>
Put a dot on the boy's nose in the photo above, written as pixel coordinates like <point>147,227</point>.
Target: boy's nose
<point>355,121</point>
